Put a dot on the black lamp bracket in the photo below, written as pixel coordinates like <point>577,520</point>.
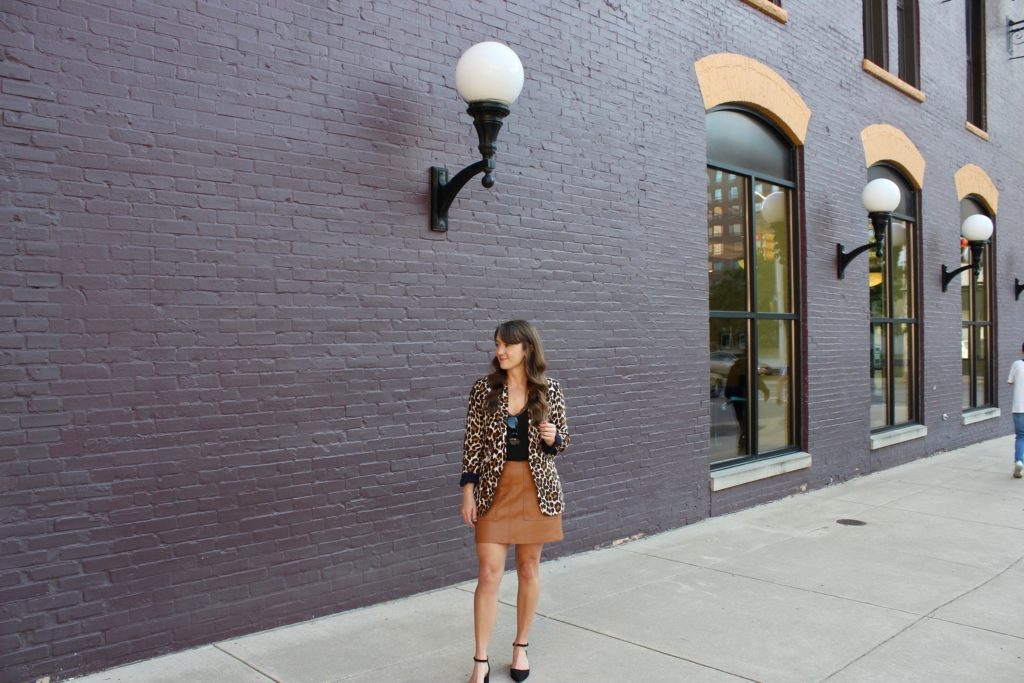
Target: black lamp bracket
<point>487,118</point>
<point>977,248</point>
<point>1017,288</point>
<point>879,222</point>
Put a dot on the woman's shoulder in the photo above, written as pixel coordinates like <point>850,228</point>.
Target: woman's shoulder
<point>481,385</point>
<point>553,384</point>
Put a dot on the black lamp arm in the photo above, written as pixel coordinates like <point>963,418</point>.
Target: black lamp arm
<point>844,258</point>
<point>879,222</point>
<point>977,249</point>
<point>948,275</point>
<point>1017,288</point>
<point>487,117</point>
<point>443,190</point>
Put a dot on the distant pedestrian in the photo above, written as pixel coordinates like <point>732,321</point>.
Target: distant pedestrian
<point>1017,380</point>
<point>737,388</point>
<point>511,493</point>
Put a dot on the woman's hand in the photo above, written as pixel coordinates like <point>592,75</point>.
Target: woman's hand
<point>548,432</point>
<point>468,507</point>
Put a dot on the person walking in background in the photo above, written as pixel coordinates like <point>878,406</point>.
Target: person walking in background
<point>736,389</point>
<point>1017,380</point>
<point>511,493</point>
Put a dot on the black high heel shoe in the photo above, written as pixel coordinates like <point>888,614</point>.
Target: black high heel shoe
<point>487,676</point>
<point>519,675</point>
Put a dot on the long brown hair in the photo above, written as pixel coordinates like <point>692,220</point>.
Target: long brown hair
<point>522,332</point>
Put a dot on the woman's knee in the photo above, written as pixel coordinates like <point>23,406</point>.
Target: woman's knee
<point>528,572</point>
<point>528,567</point>
<point>490,573</point>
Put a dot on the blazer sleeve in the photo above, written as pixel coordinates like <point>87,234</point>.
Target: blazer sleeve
<point>556,415</point>
<point>473,441</point>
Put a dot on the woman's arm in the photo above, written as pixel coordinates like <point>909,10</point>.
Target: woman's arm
<point>467,510</point>
<point>556,416</point>
<point>472,443</point>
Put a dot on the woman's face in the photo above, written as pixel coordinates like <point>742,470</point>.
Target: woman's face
<point>509,355</point>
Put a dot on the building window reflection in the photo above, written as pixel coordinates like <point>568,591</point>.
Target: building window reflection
<point>752,280</point>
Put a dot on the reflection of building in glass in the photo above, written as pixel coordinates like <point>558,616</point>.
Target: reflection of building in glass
<point>726,236</point>
<point>750,286</point>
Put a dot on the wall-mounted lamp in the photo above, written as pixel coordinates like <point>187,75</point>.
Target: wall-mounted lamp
<point>773,208</point>
<point>880,198</point>
<point>489,77</point>
<point>1017,288</point>
<point>976,229</point>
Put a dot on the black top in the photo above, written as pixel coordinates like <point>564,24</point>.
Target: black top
<point>517,436</point>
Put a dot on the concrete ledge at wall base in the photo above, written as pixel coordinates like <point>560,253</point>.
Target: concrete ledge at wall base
<point>895,436</point>
<point>762,469</point>
<point>980,415</point>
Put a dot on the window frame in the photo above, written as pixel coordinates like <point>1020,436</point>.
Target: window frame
<point>977,87</point>
<point>906,31</point>
<point>970,322</point>
<point>876,32</point>
<point>750,314</point>
<point>913,317</point>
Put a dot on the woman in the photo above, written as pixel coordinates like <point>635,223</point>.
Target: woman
<point>511,494</point>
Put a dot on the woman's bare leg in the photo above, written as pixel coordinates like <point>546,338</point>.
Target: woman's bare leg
<point>528,571</point>
<point>491,557</point>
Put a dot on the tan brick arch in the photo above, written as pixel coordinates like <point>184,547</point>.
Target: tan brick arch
<point>727,78</point>
<point>883,142</point>
<point>971,181</point>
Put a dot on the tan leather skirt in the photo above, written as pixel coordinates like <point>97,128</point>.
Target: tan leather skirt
<point>515,517</point>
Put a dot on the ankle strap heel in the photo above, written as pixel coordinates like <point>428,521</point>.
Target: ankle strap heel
<point>519,675</point>
<point>487,676</point>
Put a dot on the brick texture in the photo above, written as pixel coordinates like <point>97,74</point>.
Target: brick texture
<point>234,359</point>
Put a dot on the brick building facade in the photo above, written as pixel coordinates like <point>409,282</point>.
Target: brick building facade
<point>235,359</point>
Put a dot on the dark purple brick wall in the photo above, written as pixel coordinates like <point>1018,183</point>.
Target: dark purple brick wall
<point>235,359</point>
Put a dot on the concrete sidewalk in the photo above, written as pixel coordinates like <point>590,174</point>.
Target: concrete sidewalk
<point>929,588</point>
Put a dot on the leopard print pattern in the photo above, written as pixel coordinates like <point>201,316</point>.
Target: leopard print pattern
<point>484,449</point>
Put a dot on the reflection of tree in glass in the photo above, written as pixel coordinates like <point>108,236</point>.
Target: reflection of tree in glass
<point>767,296</point>
<point>729,290</point>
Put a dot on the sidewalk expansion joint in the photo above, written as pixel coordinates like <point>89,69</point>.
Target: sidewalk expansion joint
<point>651,649</point>
<point>247,664</point>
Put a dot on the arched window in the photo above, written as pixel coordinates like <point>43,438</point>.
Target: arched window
<point>752,282</point>
<point>895,329</point>
<point>976,329</point>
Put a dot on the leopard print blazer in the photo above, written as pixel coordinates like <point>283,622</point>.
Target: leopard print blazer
<point>484,449</point>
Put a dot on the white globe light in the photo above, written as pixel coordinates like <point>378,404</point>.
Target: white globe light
<point>899,234</point>
<point>773,208</point>
<point>489,71</point>
<point>977,228</point>
<point>881,195</point>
